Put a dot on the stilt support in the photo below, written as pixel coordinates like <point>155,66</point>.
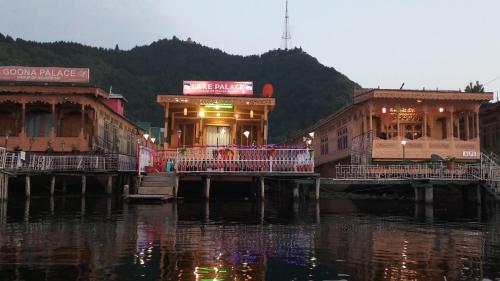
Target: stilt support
<point>4,186</point>
<point>295,194</point>
<point>429,194</point>
<point>27,186</point>
<point>478,195</point>
<point>262,188</point>
<point>317,185</point>
<point>176,186</point>
<point>84,185</point>
<point>418,193</point>
<point>52,185</point>
<point>206,189</point>
<point>109,185</point>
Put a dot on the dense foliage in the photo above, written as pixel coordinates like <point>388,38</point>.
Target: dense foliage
<point>305,89</point>
<point>475,88</point>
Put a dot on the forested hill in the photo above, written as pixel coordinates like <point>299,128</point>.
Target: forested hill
<point>305,90</point>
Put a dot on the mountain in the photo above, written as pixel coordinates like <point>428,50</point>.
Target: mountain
<point>305,89</point>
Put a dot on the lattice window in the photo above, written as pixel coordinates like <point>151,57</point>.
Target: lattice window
<point>324,143</point>
<point>342,138</point>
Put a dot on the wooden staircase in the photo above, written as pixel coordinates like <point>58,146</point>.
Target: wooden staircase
<point>490,172</point>
<point>156,186</point>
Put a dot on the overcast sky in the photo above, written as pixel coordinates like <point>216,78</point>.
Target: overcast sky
<point>424,43</point>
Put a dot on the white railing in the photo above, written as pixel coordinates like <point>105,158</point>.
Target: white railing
<point>490,171</point>
<point>265,160</point>
<point>146,158</point>
<point>37,162</point>
<point>408,172</point>
<point>127,163</point>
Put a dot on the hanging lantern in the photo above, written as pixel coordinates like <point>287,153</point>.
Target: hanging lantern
<point>267,90</point>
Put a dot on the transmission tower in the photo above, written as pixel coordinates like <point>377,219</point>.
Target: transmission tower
<point>286,37</point>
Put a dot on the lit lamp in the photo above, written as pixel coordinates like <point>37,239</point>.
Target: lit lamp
<point>384,110</point>
<point>311,134</point>
<point>403,143</point>
<point>441,109</point>
<point>185,111</point>
<point>201,114</point>
<point>251,113</point>
<point>247,134</point>
<point>153,140</point>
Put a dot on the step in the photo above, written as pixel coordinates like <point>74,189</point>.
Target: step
<point>157,183</point>
<point>156,190</point>
<point>157,178</point>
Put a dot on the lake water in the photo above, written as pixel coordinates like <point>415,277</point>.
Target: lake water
<point>98,238</point>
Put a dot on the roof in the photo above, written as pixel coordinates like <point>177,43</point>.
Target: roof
<point>52,89</point>
<point>113,95</point>
<point>215,99</point>
<point>490,107</point>
<point>361,95</point>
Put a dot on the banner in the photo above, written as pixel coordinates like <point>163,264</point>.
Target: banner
<point>44,74</point>
<point>217,88</point>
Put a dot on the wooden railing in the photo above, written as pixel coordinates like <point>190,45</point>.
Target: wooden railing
<point>234,159</point>
<point>40,162</point>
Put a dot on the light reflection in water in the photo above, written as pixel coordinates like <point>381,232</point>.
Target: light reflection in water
<point>93,238</point>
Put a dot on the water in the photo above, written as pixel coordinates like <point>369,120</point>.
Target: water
<point>103,239</point>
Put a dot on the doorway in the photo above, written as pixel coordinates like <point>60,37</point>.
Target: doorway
<point>218,136</point>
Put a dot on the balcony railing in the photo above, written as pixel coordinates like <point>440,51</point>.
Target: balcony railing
<point>234,160</point>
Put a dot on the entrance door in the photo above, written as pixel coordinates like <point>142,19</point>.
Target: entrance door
<point>218,135</point>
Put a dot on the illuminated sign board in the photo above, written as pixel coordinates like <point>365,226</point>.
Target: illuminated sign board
<point>217,88</point>
<point>219,105</point>
<point>44,74</point>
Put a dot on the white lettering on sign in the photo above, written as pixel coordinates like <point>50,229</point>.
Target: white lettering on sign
<point>470,154</point>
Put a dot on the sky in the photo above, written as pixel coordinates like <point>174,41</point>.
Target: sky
<point>423,43</point>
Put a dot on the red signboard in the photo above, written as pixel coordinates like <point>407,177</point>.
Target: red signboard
<point>44,74</point>
<point>217,88</point>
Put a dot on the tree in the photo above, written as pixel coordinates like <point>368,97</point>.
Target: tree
<point>474,88</point>
<point>117,49</point>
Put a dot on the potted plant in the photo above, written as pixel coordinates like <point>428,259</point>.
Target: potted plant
<point>311,153</point>
<point>183,151</point>
<point>450,163</point>
<point>272,152</point>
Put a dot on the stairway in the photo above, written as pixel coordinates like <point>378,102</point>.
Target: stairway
<point>490,172</point>
<point>157,186</point>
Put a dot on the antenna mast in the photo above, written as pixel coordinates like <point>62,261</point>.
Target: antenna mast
<point>286,37</point>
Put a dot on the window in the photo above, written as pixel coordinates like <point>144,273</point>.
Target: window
<point>342,138</point>
<point>324,143</point>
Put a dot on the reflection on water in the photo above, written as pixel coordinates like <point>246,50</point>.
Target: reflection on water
<point>74,238</point>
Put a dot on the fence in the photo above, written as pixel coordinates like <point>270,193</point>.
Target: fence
<point>408,172</point>
<point>37,162</point>
<point>233,159</point>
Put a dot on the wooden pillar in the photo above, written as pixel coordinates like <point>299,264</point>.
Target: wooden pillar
<point>84,185</point>
<point>370,126</point>
<point>424,131</point>
<point>451,124</point>
<point>82,120</point>
<point>54,120</point>
<point>466,125</point>
<point>478,194</point>
<point>262,188</point>
<point>206,188</point>
<point>6,188</point>
<point>23,118</point>
<point>418,193</point>
<point>52,185</point>
<point>109,185</point>
<point>429,194</point>
<point>295,193</point>
<point>27,186</point>
<point>477,121</point>
<point>398,125</point>
<point>64,185</point>
<point>165,133</point>
<point>317,185</point>
<point>176,186</point>
<point>265,125</point>
<point>2,183</point>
